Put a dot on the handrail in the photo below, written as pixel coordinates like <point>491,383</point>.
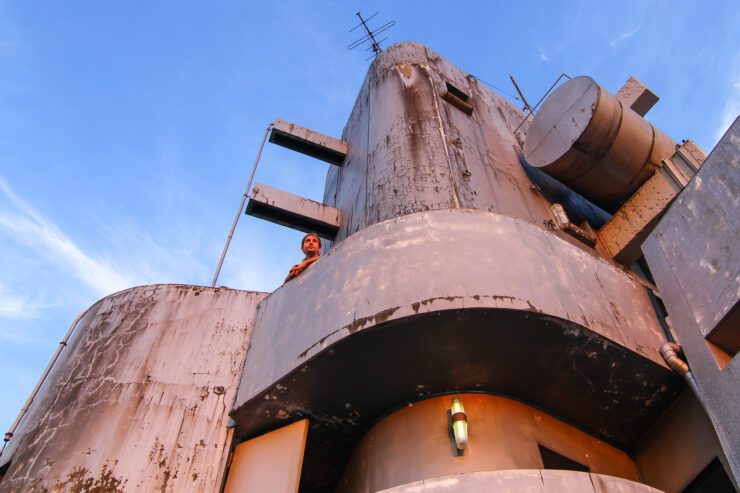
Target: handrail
<point>543,97</point>
<point>239,212</point>
<point>54,358</point>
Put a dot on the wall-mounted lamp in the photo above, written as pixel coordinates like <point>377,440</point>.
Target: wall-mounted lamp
<point>459,423</point>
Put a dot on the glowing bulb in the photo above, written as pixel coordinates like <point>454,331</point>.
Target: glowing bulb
<point>459,423</point>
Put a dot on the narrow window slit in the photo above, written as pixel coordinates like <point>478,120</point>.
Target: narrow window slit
<point>457,98</point>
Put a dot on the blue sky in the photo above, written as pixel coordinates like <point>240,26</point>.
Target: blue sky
<point>128,129</point>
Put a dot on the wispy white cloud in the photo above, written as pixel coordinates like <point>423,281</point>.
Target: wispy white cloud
<point>545,56</point>
<point>624,37</point>
<point>19,305</point>
<point>730,111</point>
<point>26,226</point>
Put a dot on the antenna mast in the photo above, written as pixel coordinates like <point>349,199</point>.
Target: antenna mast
<point>370,36</point>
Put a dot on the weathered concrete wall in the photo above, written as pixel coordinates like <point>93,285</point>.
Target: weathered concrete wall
<point>531,481</point>
<point>440,260</point>
<point>413,443</point>
<point>138,401</point>
<point>678,447</point>
<point>411,151</point>
<point>694,257</point>
<point>449,300</point>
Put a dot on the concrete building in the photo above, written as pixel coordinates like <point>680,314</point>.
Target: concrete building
<point>481,319</point>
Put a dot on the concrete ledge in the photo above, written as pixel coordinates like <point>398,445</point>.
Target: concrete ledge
<point>636,96</point>
<point>308,142</point>
<point>293,211</point>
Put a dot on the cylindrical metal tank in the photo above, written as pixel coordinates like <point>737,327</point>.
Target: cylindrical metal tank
<point>138,401</point>
<point>586,138</point>
<point>414,443</point>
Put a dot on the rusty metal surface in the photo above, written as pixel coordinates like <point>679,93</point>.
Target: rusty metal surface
<point>578,318</point>
<point>627,229</point>
<point>411,151</point>
<point>694,259</point>
<point>636,96</point>
<point>293,211</point>
<point>579,208</point>
<point>139,399</point>
<point>586,138</point>
<point>531,481</point>
<point>563,222</point>
<point>413,443</point>
<point>309,142</point>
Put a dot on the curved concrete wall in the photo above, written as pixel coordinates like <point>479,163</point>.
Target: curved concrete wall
<point>138,401</point>
<point>412,151</point>
<point>452,300</point>
<point>442,260</point>
<point>536,481</point>
<point>413,444</point>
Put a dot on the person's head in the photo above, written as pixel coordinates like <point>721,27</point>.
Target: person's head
<point>311,245</point>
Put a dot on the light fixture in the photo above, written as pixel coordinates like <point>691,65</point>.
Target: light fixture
<point>459,423</point>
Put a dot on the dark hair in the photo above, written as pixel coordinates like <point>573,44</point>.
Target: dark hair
<point>310,234</point>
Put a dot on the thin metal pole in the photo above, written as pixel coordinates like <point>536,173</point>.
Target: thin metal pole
<point>526,104</point>
<point>538,102</point>
<point>54,358</point>
<point>239,212</point>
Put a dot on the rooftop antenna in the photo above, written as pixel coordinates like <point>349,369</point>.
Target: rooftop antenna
<point>370,36</point>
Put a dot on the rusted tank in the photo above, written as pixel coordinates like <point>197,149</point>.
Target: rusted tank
<point>139,399</point>
<point>586,138</point>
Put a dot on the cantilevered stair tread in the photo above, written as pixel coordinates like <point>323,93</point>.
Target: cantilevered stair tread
<point>308,142</point>
<point>293,211</point>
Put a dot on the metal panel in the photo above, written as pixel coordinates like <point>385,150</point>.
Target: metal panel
<point>269,463</point>
<point>308,142</point>
<point>293,211</point>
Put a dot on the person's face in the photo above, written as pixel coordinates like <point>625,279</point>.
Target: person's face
<point>311,245</point>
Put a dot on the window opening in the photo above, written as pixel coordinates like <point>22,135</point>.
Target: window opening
<point>457,98</point>
<point>456,92</point>
<point>713,479</point>
<point>553,460</point>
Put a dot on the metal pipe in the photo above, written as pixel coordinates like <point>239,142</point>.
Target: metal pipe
<point>669,351</point>
<point>54,358</point>
<point>526,104</point>
<point>239,212</point>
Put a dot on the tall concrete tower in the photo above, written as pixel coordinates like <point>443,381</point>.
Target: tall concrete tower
<point>481,320</point>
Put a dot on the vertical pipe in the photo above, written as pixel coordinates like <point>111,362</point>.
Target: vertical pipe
<point>239,212</point>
